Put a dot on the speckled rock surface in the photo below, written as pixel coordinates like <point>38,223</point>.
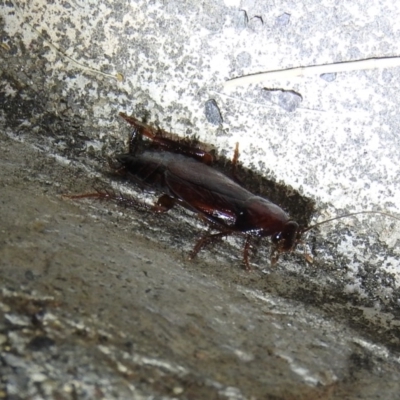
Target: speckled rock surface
<point>98,301</point>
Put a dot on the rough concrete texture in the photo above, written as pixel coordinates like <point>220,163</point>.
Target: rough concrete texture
<point>99,301</point>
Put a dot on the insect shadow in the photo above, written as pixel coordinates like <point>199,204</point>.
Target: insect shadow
<point>187,176</point>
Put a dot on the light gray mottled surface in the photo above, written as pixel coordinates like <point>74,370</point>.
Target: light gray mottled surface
<point>101,302</point>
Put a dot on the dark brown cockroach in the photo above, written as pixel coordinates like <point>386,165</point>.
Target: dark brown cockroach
<point>182,172</point>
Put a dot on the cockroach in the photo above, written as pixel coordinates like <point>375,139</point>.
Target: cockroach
<point>183,173</point>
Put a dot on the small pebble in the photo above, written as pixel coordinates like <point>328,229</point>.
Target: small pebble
<point>330,77</point>
<point>212,112</point>
<point>282,20</point>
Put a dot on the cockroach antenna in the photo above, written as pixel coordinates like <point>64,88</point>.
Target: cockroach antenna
<point>385,214</point>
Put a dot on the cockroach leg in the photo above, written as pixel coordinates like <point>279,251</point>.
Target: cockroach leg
<point>275,253</point>
<point>307,256</point>
<point>246,249</point>
<point>157,136</point>
<point>115,166</point>
<point>133,141</point>
<point>98,195</point>
<point>209,239</point>
<point>119,198</point>
<point>236,155</point>
<point>206,240</point>
<point>235,160</point>
<point>163,204</point>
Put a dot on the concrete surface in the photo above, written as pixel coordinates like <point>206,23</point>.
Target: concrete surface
<point>99,301</point>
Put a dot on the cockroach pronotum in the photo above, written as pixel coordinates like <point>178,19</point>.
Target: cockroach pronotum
<point>182,172</point>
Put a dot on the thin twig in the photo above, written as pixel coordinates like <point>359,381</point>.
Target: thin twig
<point>369,63</point>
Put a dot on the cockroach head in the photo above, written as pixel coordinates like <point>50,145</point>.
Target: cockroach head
<point>287,238</point>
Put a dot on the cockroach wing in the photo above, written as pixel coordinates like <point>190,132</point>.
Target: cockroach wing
<point>206,191</point>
